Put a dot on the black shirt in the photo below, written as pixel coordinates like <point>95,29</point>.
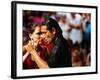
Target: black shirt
<point>60,55</point>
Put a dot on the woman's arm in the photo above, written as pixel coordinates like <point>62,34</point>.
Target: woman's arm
<point>25,56</point>
<point>39,61</point>
<point>25,53</point>
<point>35,55</point>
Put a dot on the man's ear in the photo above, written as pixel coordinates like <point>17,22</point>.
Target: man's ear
<point>53,30</point>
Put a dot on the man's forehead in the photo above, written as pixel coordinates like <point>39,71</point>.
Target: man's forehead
<point>43,28</point>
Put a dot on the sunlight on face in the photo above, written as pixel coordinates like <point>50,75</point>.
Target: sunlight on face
<point>46,35</point>
<point>35,35</point>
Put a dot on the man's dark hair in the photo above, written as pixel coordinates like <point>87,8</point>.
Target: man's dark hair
<point>51,23</point>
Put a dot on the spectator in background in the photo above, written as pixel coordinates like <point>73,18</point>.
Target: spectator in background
<point>52,15</point>
<point>88,60</point>
<point>86,26</point>
<point>77,57</point>
<point>86,42</point>
<point>63,23</point>
<point>74,20</point>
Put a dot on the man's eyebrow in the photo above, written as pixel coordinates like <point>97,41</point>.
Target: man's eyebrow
<point>43,32</point>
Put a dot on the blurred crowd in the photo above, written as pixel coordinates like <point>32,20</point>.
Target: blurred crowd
<point>76,29</point>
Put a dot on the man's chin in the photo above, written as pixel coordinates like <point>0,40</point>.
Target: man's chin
<point>48,42</point>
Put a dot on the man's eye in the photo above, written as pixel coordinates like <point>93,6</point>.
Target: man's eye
<point>43,32</point>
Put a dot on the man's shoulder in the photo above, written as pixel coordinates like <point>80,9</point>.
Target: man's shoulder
<point>61,43</point>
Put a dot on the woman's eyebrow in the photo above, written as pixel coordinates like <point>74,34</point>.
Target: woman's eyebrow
<point>38,33</point>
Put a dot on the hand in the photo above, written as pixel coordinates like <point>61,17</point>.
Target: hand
<point>30,47</point>
<point>35,45</point>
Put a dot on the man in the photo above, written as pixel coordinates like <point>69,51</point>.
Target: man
<point>58,54</point>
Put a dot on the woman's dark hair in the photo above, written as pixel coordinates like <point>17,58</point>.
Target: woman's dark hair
<point>51,23</point>
<point>25,37</point>
<point>33,26</point>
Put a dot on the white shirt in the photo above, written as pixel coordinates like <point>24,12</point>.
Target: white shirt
<point>75,34</point>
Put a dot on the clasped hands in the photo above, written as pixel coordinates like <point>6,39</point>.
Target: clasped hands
<point>32,47</point>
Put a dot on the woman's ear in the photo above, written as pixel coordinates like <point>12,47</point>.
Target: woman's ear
<point>30,35</point>
<point>53,30</point>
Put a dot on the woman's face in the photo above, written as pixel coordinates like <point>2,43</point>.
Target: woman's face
<point>35,35</point>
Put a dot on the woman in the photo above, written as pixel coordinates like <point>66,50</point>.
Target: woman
<point>33,50</point>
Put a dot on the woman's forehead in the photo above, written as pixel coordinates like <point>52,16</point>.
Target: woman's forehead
<point>37,28</point>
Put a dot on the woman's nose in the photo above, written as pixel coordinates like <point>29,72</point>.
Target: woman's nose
<point>42,36</point>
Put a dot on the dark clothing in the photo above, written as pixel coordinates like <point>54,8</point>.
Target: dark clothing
<point>86,42</point>
<point>60,55</point>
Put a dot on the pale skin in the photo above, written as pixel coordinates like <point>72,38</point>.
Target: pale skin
<point>34,38</point>
<point>48,37</point>
<point>31,49</point>
<point>35,56</point>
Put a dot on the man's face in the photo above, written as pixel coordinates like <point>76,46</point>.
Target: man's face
<point>46,35</point>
